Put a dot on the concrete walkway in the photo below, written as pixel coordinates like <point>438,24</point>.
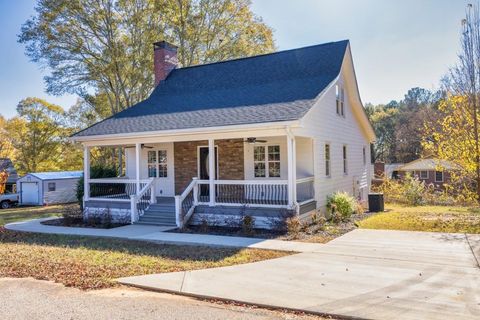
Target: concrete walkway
<point>158,235</point>
<point>371,274</point>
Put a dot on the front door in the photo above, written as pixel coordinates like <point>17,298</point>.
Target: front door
<point>160,167</point>
<point>203,168</point>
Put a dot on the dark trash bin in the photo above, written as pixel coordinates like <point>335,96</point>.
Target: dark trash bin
<point>375,202</point>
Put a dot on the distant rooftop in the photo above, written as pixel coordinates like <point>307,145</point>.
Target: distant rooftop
<point>55,175</point>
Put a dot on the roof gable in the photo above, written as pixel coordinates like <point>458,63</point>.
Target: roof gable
<point>281,86</point>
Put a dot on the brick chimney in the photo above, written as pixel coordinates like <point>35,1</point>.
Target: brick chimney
<point>164,60</point>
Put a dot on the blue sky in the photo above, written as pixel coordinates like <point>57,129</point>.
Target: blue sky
<point>396,44</point>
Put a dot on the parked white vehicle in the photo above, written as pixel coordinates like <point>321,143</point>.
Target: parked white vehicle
<point>8,199</point>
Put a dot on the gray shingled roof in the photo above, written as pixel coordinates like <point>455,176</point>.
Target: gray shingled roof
<point>281,86</point>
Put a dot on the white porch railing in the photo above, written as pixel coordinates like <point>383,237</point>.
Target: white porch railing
<point>124,190</point>
<point>257,193</point>
<point>185,203</point>
<point>141,201</point>
<point>305,190</point>
<point>112,189</point>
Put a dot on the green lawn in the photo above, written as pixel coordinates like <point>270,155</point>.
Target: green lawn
<point>25,213</point>
<point>425,218</point>
<point>94,263</point>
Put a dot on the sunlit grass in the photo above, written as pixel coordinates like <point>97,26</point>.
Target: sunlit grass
<point>426,218</point>
<point>93,263</point>
<point>26,213</point>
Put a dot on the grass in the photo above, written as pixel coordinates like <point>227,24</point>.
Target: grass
<point>95,263</point>
<point>25,213</point>
<point>425,218</point>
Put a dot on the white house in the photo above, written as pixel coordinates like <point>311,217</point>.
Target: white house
<point>287,129</point>
<point>45,188</point>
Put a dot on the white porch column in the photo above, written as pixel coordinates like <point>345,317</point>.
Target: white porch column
<point>138,147</point>
<point>86,173</point>
<point>211,170</point>
<point>292,170</point>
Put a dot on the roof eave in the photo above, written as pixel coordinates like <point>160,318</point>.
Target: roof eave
<point>189,131</point>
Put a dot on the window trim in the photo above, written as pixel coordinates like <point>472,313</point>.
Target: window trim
<point>327,162</point>
<point>54,186</point>
<point>422,177</point>
<point>443,176</point>
<point>266,161</point>
<point>157,163</point>
<point>364,155</point>
<point>340,100</point>
<point>345,159</point>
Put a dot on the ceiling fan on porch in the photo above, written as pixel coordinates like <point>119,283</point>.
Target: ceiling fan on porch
<point>253,140</point>
<point>142,146</point>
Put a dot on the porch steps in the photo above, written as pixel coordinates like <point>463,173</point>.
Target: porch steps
<point>162,213</point>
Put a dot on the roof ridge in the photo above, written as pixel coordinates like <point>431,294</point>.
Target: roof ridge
<point>260,55</point>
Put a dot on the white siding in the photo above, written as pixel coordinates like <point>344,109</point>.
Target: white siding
<point>326,126</point>
<point>304,156</point>
<point>65,191</point>
<point>164,186</point>
<point>248,157</point>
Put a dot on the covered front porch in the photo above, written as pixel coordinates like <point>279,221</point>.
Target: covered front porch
<point>168,179</point>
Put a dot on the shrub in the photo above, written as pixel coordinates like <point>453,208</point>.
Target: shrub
<point>413,190</point>
<point>71,215</point>
<point>341,203</point>
<point>248,224</point>
<point>96,172</point>
<point>293,226</point>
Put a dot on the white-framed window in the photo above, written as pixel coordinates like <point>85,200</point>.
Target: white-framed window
<point>364,155</point>
<point>327,160</point>
<point>340,100</point>
<point>266,161</point>
<point>157,164</point>
<point>52,186</point>
<point>438,176</point>
<point>344,153</point>
<point>423,174</point>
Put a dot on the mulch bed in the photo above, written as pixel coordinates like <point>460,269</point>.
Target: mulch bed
<point>308,233</point>
<point>79,223</point>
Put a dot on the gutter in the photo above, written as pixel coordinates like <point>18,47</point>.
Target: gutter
<point>190,131</point>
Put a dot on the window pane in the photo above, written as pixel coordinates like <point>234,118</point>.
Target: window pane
<point>162,156</point>
<point>259,153</point>
<point>51,186</point>
<point>152,157</point>
<point>152,171</point>
<point>259,169</point>
<point>162,170</point>
<point>327,152</point>
<point>438,176</point>
<point>274,169</point>
<point>274,153</point>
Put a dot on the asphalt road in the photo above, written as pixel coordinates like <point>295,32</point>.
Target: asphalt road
<point>32,299</point>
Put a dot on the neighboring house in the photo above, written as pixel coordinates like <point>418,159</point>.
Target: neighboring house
<point>431,171</point>
<point>286,130</point>
<point>7,164</point>
<point>382,171</point>
<point>45,188</point>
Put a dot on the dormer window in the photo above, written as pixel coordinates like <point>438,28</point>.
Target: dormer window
<point>340,100</point>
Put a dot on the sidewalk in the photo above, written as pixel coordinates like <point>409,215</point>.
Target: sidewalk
<point>157,234</point>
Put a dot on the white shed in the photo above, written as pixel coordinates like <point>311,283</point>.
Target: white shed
<point>44,188</point>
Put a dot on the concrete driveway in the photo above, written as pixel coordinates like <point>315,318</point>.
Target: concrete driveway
<point>371,274</point>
